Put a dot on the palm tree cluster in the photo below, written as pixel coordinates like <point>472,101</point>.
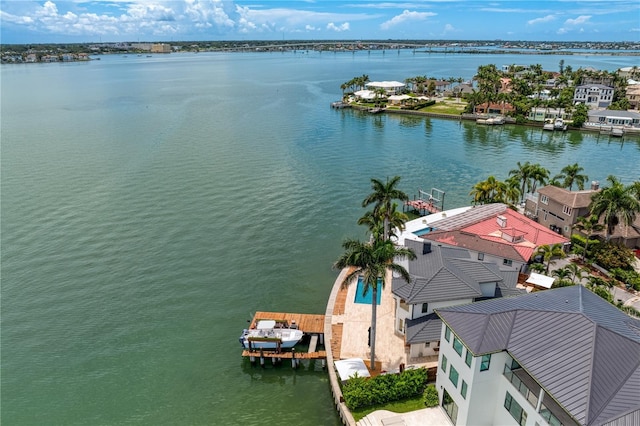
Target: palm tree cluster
<point>521,87</point>
<point>372,259</point>
<point>525,179</point>
<point>356,83</point>
<point>522,180</point>
<point>616,204</point>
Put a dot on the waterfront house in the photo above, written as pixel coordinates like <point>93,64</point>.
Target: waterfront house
<point>494,233</point>
<point>390,87</point>
<point>558,208</point>
<point>557,357</point>
<point>503,108</point>
<point>541,114</point>
<point>442,276</point>
<point>613,118</point>
<point>633,96</point>
<point>593,95</point>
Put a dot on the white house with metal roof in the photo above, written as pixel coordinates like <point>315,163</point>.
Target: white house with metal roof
<point>554,357</point>
<point>613,118</point>
<point>390,87</point>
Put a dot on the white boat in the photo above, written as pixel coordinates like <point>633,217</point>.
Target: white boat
<point>270,334</point>
<point>559,124</point>
<point>491,121</point>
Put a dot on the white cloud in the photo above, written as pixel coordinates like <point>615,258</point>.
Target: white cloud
<point>579,20</point>
<point>448,28</point>
<point>338,28</point>
<point>404,17</point>
<point>547,18</point>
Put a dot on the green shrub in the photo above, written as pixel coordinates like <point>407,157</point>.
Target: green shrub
<point>431,396</point>
<point>359,392</point>
<point>628,277</point>
<point>611,256</point>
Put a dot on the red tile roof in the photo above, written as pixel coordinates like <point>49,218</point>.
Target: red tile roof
<point>516,240</point>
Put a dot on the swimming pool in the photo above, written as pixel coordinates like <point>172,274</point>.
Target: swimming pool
<point>422,231</point>
<point>369,297</point>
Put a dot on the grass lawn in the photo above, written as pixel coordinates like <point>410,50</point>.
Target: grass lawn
<point>403,406</point>
<point>446,106</point>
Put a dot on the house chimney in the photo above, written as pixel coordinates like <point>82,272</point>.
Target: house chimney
<point>502,221</point>
<point>426,248</point>
<point>595,185</point>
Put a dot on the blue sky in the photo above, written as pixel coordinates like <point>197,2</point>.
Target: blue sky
<point>155,20</point>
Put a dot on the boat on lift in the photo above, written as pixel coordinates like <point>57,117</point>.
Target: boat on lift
<point>271,334</point>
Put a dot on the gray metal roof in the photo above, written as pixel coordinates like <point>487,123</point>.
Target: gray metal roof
<point>581,349</point>
<point>423,329</point>
<point>446,273</point>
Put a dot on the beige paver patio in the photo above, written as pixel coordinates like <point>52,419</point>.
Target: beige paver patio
<point>356,318</point>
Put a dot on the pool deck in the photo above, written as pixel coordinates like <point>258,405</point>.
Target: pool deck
<point>347,329</point>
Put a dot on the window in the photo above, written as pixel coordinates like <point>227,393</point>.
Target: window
<point>468,358</point>
<point>544,199</point>
<point>485,362</point>
<point>450,407</point>
<point>515,410</point>
<point>507,262</point>
<point>425,308</point>
<point>428,344</point>
<point>567,210</point>
<point>480,256</point>
<point>444,363</point>
<point>457,345</point>
<point>447,334</point>
<point>463,389</point>
<point>453,376</point>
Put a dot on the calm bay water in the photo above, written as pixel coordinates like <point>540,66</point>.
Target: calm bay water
<point>149,205</point>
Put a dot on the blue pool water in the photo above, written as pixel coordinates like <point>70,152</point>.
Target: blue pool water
<point>422,231</point>
<point>369,296</point>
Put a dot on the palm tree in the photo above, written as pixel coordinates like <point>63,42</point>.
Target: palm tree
<point>522,173</point>
<point>562,273</point>
<point>538,175</point>
<point>382,196</point>
<point>549,252</point>
<point>375,222</point>
<point>589,225</point>
<point>575,272</point>
<point>571,174</point>
<point>615,204</point>
<point>372,261</point>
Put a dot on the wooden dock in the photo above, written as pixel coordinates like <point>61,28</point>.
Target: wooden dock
<point>311,324</point>
<point>308,323</point>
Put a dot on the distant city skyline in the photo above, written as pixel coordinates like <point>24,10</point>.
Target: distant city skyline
<point>75,21</point>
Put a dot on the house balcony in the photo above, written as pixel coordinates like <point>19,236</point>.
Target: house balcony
<point>541,402</point>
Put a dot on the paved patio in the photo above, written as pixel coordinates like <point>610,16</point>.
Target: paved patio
<point>356,320</point>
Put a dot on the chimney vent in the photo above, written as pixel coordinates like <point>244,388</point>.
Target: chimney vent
<point>502,221</point>
<point>595,185</point>
<point>426,248</point>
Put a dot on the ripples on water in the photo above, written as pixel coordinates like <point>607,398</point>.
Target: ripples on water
<point>148,207</point>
